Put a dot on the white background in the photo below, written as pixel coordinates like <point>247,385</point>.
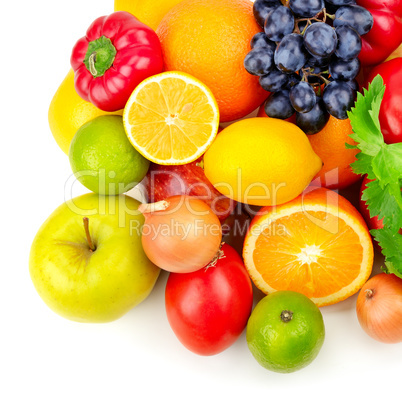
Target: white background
<point>47,358</point>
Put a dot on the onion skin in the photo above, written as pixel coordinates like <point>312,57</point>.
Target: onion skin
<point>181,233</point>
<point>379,308</point>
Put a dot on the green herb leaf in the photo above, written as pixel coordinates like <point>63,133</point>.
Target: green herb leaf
<point>382,163</point>
<point>362,165</point>
<point>387,164</point>
<point>364,116</point>
<point>382,202</point>
<point>391,244</point>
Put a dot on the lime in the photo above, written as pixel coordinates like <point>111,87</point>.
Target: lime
<point>285,331</point>
<point>103,159</point>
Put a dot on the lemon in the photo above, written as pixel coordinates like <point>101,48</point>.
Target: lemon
<point>261,161</point>
<point>150,12</point>
<point>68,112</point>
<point>285,331</point>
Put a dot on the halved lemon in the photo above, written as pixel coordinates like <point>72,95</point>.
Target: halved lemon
<point>317,244</point>
<point>171,118</point>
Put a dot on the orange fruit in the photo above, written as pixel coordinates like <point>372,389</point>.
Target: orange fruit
<point>171,118</point>
<point>209,39</point>
<point>317,244</point>
<point>329,145</point>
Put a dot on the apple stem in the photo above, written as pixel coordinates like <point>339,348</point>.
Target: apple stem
<point>200,164</point>
<point>86,227</point>
<point>155,207</point>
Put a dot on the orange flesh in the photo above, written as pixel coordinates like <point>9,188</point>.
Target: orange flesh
<point>310,252</point>
<point>168,119</point>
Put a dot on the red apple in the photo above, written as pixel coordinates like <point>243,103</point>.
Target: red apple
<point>165,181</point>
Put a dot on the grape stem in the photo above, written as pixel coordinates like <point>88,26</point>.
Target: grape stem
<point>308,72</point>
<point>331,16</point>
<point>321,16</point>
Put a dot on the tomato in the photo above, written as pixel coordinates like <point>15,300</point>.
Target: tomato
<point>208,309</point>
<point>391,105</point>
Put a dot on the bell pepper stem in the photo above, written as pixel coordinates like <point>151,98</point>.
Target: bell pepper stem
<point>99,56</point>
<point>91,62</point>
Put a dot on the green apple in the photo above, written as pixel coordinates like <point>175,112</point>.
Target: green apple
<point>94,269</point>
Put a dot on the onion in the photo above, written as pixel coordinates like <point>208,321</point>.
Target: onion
<point>379,308</point>
<point>180,234</point>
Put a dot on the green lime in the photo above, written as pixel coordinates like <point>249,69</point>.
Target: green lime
<point>285,331</point>
<point>103,159</point>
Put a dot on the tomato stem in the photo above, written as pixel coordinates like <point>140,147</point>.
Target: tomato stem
<point>219,255</point>
<point>89,240</point>
<point>286,315</point>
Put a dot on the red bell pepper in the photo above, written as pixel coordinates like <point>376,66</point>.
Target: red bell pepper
<point>117,53</point>
<point>391,105</point>
<point>386,34</point>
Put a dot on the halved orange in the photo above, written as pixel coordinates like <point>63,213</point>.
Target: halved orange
<point>171,118</point>
<point>317,244</point>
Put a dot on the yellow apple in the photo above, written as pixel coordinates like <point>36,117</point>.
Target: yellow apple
<point>94,269</point>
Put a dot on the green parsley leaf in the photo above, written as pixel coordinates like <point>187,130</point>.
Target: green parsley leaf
<point>364,116</point>
<point>384,205</point>
<point>391,244</point>
<point>387,164</point>
<point>382,163</point>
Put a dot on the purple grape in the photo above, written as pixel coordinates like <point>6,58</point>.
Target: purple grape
<point>279,23</point>
<point>261,40</point>
<point>302,97</point>
<point>315,120</point>
<point>259,61</point>
<point>278,105</point>
<point>357,17</point>
<point>306,8</point>
<point>320,40</point>
<point>274,81</point>
<point>344,70</point>
<point>261,9</point>
<point>349,43</point>
<point>290,55</point>
<point>338,98</point>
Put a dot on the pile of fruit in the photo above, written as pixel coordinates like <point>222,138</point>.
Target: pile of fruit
<point>231,210</point>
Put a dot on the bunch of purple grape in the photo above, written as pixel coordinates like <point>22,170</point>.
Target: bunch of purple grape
<point>307,57</point>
